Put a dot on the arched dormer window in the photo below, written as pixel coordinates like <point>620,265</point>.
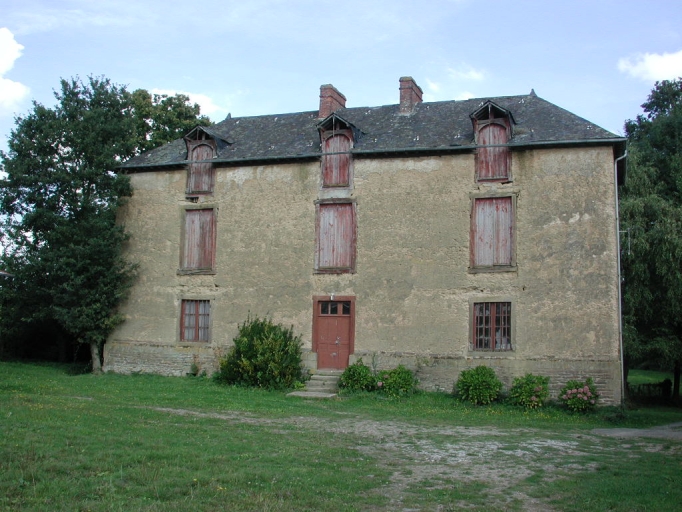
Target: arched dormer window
<point>337,137</point>
<point>201,148</point>
<point>492,128</point>
<point>336,160</point>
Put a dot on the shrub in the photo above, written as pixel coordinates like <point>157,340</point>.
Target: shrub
<point>264,355</point>
<point>397,382</point>
<point>529,391</point>
<point>358,377</point>
<point>579,396</point>
<point>478,385</point>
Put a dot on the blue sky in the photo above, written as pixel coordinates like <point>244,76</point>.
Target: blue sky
<point>597,58</point>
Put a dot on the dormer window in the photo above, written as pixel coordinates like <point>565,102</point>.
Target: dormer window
<point>337,138</point>
<point>336,160</point>
<point>201,149</point>
<point>492,131</point>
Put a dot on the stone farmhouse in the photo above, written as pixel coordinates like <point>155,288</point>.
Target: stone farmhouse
<point>438,235</point>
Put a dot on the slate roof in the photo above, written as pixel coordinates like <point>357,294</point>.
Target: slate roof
<point>434,127</point>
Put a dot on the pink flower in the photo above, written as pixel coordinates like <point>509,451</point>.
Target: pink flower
<point>534,399</point>
<point>592,402</point>
<point>380,384</point>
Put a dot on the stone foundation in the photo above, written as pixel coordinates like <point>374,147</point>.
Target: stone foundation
<point>440,372</point>
<point>435,372</point>
<point>159,358</point>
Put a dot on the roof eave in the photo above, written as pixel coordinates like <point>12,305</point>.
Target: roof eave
<point>617,141</point>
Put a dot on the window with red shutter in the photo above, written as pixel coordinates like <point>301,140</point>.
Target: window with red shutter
<point>198,250</point>
<point>492,233</point>
<point>492,131</point>
<point>200,174</point>
<point>335,237</point>
<point>336,161</point>
<point>492,163</point>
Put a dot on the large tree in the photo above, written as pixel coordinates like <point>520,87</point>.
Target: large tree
<point>59,200</point>
<point>160,118</point>
<point>651,218</point>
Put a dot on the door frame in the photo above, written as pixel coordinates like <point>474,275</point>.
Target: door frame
<point>327,298</point>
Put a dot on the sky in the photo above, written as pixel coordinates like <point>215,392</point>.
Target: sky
<point>598,59</point>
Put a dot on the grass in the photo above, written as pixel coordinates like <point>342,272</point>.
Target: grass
<point>637,377</point>
<point>113,442</point>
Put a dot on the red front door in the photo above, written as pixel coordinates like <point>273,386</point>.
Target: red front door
<point>333,331</point>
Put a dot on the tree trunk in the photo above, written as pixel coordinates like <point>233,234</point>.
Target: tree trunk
<point>676,380</point>
<point>96,360</point>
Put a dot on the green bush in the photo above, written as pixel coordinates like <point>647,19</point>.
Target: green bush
<point>579,396</point>
<point>397,382</point>
<point>529,391</point>
<point>358,377</point>
<point>478,385</point>
<point>264,355</point>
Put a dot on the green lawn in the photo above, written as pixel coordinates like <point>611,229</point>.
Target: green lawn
<point>636,377</point>
<point>112,442</point>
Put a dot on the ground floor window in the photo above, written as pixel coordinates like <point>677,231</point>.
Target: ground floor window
<point>195,320</point>
<point>492,326</point>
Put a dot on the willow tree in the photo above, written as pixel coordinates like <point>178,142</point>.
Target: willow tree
<point>651,217</point>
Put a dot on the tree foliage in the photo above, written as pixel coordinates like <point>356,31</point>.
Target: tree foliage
<point>651,217</point>
<point>160,118</point>
<point>58,203</point>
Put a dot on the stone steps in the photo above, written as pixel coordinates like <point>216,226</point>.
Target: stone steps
<point>322,384</point>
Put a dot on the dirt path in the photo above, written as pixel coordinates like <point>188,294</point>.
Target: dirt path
<point>441,457</point>
<point>672,432</point>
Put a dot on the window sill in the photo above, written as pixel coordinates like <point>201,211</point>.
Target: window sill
<point>503,180</point>
<point>488,353</point>
<point>481,270</point>
<point>334,271</point>
<point>196,272</point>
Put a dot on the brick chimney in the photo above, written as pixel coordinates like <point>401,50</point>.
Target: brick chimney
<point>330,100</point>
<point>410,94</point>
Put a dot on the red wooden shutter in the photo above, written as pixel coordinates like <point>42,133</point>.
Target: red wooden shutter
<point>200,178</point>
<point>503,231</point>
<point>199,249</point>
<point>493,223</point>
<point>336,236</point>
<point>492,163</point>
<point>335,167</point>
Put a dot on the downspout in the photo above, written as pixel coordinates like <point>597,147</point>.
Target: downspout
<point>620,293</point>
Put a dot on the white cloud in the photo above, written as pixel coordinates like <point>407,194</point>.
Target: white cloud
<point>465,95</point>
<point>466,72</point>
<point>433,86</point>
<point>653,66</point>
<point>11,92</point>
<point>450,85</point>
<point>111,13</point>
<point>208,106</point>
